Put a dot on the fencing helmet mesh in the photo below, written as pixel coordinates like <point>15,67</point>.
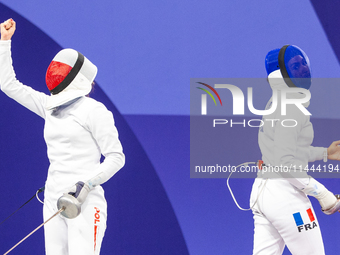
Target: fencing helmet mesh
<point>69,75</point>
<point>293,64</point>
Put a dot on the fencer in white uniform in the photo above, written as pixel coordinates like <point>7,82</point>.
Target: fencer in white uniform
<point>283,214</point>
<point>78,130</point>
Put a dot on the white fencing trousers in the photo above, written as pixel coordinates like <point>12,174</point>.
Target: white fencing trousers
<point>81,235</point>
<point>283,215</point>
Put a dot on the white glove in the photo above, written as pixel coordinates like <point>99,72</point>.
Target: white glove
<point>326,198</point>
<point>80,191</point>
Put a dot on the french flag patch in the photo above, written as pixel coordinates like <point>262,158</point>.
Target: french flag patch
<point>304,217</point>
<point>305,220</point>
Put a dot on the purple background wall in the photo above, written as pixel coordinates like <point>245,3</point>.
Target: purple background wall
<point>146,53</point>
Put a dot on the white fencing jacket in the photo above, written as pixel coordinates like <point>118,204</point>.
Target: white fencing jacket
<point>288,146</point>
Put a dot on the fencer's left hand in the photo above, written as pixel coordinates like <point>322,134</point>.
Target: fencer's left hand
<point>333,151</point>
<point>80,191</point>
<point>7,29</point>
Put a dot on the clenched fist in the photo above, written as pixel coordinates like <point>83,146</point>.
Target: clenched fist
<point>7,29</point>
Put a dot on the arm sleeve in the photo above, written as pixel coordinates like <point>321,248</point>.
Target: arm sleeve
<point>316,153</point>
<point>24,95</point>
<point>287,153</point>
<point>102,126</point>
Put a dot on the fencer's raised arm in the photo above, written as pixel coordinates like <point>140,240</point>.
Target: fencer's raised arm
<point>24,95</point>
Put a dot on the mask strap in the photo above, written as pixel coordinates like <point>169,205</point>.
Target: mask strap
<point>283,69</point>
